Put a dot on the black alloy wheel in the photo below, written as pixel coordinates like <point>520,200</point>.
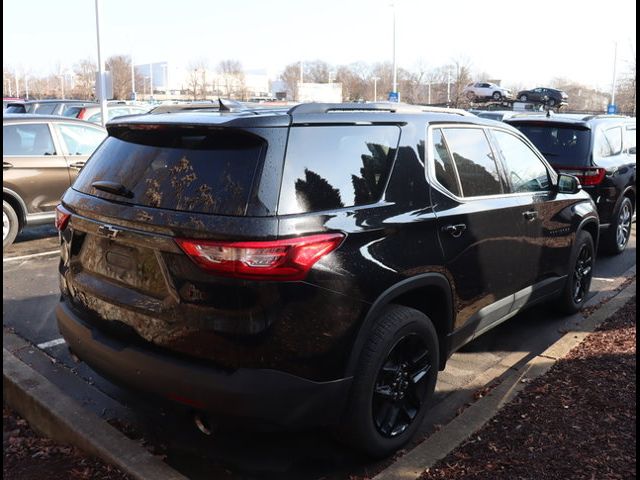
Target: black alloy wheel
<point>582,274</point>
<point>401,385</point>
<point>497,96</point>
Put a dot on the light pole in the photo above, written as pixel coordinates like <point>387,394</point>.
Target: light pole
<point>448,85</point>
<point>133,79</point>
<point>375,88</point>
<point>165,74</point>
<point>395,71</point>
<point>102,91</point>
<point>429,92</point>
<point>26,87</point>
<point>151,79</point>
<point>613,82</point>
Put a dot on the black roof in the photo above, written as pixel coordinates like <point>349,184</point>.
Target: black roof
<point>58,100</point>
<point>234,114</point>
<point>577,119</point>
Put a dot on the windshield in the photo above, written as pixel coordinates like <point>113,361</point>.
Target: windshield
<point>562,145</point>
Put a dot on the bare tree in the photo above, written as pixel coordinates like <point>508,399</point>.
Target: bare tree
<point>85,71</point>
<point>233,79</point>
<point>356,82</point>
<point>196,79</point>
<point>290,77</point>
<point>120,68</point>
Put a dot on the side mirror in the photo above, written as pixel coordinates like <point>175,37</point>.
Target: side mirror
<point>568,184</point>
<point>632,151</point>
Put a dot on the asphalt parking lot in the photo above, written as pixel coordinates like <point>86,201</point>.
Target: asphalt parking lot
<point>30,293</point>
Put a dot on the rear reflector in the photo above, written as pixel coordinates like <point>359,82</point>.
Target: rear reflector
<point>587,176</point>
<point>62,217</point>
<point>289,259</point>
<point>82,113</point>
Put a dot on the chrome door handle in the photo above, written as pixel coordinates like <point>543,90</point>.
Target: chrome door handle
<point>530,215</point>
<point>6,165</point>
<point>455,230</point>
<point>77,165</point>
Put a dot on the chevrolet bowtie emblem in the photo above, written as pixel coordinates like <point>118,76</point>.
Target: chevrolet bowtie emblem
<point>108,231</point>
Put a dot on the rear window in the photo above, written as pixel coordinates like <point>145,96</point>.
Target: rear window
<point>329,167</point>
<point>189,170</point>
<point>561,145</point>
<point>15,109</point>
<point>45,108</point>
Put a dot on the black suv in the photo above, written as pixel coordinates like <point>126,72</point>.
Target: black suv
<point>601,151</point>
<point>310,266</point>
<point>548,96</point>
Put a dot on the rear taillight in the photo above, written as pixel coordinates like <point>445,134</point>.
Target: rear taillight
<point>82,113</point>
<point>587,176</point>
<point>289,259</point>
<point>62,217</point>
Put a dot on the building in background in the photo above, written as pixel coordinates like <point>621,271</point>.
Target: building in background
<point>320,92</point>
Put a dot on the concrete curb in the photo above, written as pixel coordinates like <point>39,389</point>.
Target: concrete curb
<point>442,442</point>
<point>52,412</point>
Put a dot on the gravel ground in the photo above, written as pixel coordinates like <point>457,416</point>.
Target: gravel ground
<point>576,422</point>
<point>28,456</point>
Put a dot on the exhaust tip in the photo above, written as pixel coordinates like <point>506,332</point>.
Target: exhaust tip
<point>202,424</point>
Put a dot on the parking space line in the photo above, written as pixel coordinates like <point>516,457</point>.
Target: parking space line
<point>51,343</point>
<point>33,255</point>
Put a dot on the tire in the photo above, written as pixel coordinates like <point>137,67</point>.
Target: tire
<point>470,96</point>
<point>10,224</point>
<point>389,399</point>
<point>496,95</point>
<point>616,237</point>
<point>551,102</point>
<point>523,98</point>
<point>576,289</point>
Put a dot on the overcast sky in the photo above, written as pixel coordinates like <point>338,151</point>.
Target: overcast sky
<point>523,42</point>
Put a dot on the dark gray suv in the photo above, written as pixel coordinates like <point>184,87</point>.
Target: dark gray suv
<point>601,151</point>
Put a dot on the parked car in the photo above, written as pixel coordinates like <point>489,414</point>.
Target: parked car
<point>485,90</point>
<point>601,151</point>
<point>8,100</point>
<point>93,113</point>
<point>548,96</point>
<point>65,108</point>
<point>41,156</point>
<point>316,265</point>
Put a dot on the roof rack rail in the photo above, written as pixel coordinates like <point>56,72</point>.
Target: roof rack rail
<point>603,115</point>
<point>390,107</point>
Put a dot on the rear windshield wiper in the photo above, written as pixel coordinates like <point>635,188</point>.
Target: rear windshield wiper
<point>113,187</point>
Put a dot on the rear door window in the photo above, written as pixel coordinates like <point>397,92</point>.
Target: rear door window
<point>189,170</point>
<point>30,139</point>
<point>612,144</point>
<point>329,167</point>
<point>525,170</point>
<point>474,161</point>
<point>445,169</point>
<point>79,139</point>
<point>630,139</point>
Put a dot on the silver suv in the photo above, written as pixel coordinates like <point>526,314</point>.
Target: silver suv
<point>485,90</point>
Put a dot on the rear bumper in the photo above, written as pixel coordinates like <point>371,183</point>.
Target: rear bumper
<point>262,395</point>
